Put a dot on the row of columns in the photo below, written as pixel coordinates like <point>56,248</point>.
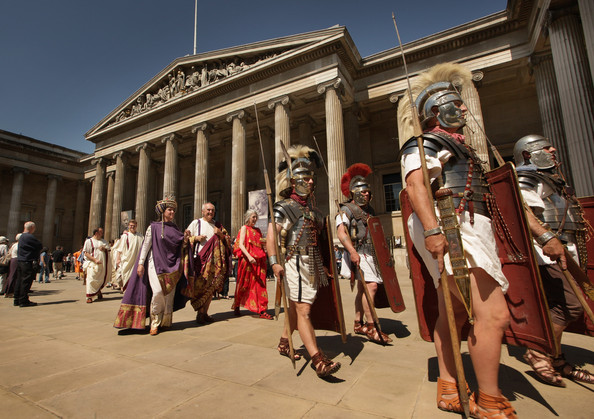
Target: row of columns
<point>565,93</point>
<point>47,234</point>
<point>336,157</point>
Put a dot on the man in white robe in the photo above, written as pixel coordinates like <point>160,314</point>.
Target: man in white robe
<point>96,264</point>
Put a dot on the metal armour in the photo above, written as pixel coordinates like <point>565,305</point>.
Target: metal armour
<point>455,171</point>
<point>535,145</point>
<point>291,216</point>
<point>555,203</point>
<point>357,227</point>
<point>442,95</point>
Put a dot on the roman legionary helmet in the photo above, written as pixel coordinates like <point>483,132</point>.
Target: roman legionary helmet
<point>302,161</point>
<point>535,145</point>
<point>437,87</point>
<point>353,183</point>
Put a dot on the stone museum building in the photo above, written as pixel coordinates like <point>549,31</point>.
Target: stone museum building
<point>192,130</point>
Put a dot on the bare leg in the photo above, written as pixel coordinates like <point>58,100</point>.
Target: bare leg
<point>491,318</point>
<point>441,335</point>
<point>300,318</point>
<point>372,288</point>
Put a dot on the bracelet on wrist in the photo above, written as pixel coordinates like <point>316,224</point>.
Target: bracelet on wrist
<point>545,237</point>
<point>432,232</point>
<point>272,260</point>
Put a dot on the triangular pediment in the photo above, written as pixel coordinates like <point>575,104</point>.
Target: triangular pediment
<point>191,75</point>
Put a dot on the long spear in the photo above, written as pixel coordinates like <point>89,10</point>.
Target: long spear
<point>418,133</point>
<point>375,319</point>
<point>274,238</point>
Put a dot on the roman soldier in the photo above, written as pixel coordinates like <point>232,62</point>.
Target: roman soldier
<point>450,161</point>
<point>353,233</point>
<point>299,223</point>
<point>556,222</point>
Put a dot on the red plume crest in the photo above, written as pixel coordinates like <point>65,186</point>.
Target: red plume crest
<point>357,169</point>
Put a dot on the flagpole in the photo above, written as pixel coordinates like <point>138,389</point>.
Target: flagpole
<point>195,24</point>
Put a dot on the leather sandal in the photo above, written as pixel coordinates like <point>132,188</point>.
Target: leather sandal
<point>285,350</point>
<point>448,397</point>
<point>360,329</point>
<point>265,315</point>
<point>89,300</point>
<point>542,365</point>
<point>154,331</point>
<point>323,365</point>
<point>374,335</point>
<point>494,407</point>
<point>565,369</point>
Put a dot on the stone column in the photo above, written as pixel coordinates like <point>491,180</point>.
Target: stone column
<point>474,129</point>
<point>336,159</point>
<point>144,165</point>
<point>201,169</point>
<point>14,211</point>
<point>118,193</point>
<point>282,131</point>
<point>90,226</point>
<point>577,97</point>
<point>171,142</point>
<point>95,219</point>
<point>107,230</point>
<point>549,106</point>
<point>50,211</point>
<point>77,231</point>
<point>238,184</point>
<point>587,15</point>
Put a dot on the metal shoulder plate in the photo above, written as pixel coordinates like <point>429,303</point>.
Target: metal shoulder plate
<point>434,143</point>
<point>529,177</point>
<point>286,213</point>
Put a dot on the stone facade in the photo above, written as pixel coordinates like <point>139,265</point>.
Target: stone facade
<point>192,129</point>
<point>44,183</point>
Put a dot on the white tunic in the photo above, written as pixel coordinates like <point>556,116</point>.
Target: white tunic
<point>478,239</point>
<point>206,229</point>
<point>366,262</point>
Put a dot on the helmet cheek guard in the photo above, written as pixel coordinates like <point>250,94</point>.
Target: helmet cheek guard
<point>535,145</point>
<point>443,96</point>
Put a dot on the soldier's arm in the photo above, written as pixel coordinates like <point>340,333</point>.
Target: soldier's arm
<point>345,239</point>
<point>273,230</point>
<point>436,244</point>
<point>553,247</point>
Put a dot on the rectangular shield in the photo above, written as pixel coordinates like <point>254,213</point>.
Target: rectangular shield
<point>326,311</point>
<point>385,262</point>
<point>530,322</point>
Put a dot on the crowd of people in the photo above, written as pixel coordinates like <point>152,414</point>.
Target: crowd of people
<point>160,271</point>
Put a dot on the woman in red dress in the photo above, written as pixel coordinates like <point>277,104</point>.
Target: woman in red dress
<point>250,285</point>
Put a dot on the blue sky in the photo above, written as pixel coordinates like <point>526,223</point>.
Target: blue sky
<point>65,64</point>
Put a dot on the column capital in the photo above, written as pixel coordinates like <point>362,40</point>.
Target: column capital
<point>538,58</point>
<point>109,175</point>
<point>99,160</point>
<point>203,126</point>
<point>57,177</point>
<point>335,84</point>
<point>395,98</point>
<point>145,146</point>
<point>17,169</point>
<point>173,137</point>
<point>121,154</point>
<point>281,100</point>
<point>241,114</point>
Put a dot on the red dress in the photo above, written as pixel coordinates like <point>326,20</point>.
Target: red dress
<point>250,290</point>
